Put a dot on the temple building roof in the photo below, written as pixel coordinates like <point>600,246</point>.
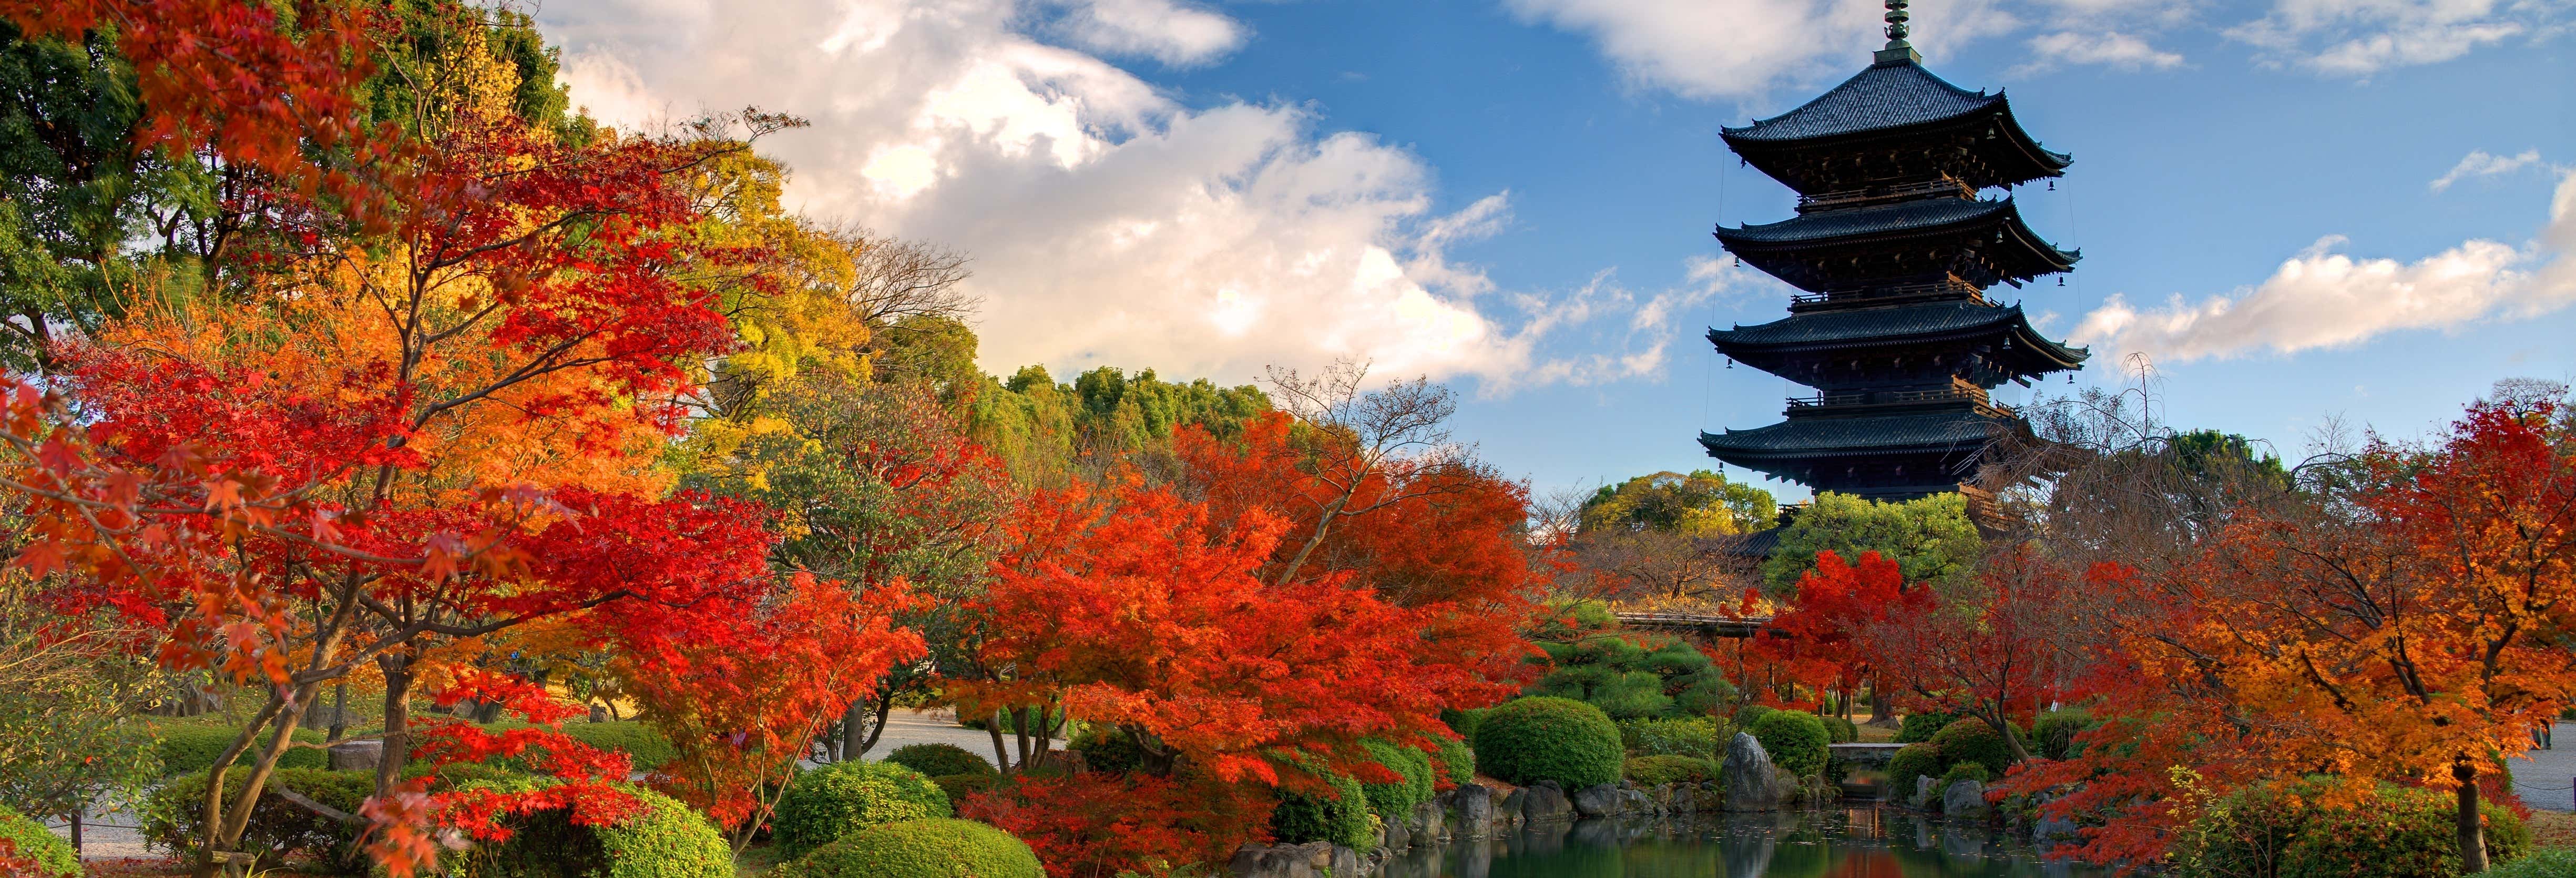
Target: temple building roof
<point>1894,327</point>
<point>1895,99</point>
<point>1794,249</point>
<point>1873,435</point>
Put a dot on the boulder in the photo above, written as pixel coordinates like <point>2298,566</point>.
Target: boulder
<point>1473,807</point>
<point>1603,800</point>
<point>1752,782</point>
<point>357,755</point>
<point>1314,859</point>
<point>1964,798</point>
<point>1427,825</point>
<point>1544,803</point>
<point>1924,787</point>
<point>1392,835</point>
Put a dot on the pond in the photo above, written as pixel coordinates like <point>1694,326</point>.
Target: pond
<point>1834,843</point>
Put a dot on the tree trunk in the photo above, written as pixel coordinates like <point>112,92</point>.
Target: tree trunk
<point>397,741</point>
<point>1001,751</point>
<point>2473,839</point>
<point>339,712</point>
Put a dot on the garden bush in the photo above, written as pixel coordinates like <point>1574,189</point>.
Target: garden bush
<point>1911,761</point>
<point>929,848</point>
<point>1962,771</point>
<point>1694,736</point>
<point>960,786</point>
<point>1840,731</point>
<point>1920,727</point>
<point>2398,832</point>
<point>1971,740</point>
<point>54,856</point>
<point>1559,739</point>
<point>938,760</point>
<point>2053,733</point>
<point>1458,762</point>
<point>1628,680</point>
<point>1652,771</point>
<point>845,797</point>
<point>1749,714</point>
<point>1463,721</point>
<point>186,748</point>
<point>662,839</point>
<point>1107,748</point>
<point>278,829</point>
<point>639,740</point>
<point>2542,863</point>
<point>1394,801</point>
<point>1795,739</point>
<point>1341,817</point>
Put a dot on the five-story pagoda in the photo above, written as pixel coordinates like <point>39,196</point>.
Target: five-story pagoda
<point>1894,250</point>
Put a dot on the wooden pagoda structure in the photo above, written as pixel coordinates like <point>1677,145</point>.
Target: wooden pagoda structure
<point>1893,250</point>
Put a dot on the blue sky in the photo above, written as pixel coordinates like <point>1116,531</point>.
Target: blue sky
<point>1515,196</point>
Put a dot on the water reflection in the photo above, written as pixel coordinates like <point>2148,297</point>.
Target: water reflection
<point>1848,843</point>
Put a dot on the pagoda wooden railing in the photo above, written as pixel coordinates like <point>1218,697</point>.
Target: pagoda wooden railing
<point>1959,390</point>
<point>1948,287</point>
<point>1944,186</point>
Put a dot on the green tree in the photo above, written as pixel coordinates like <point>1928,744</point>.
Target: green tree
<point>1700,504</point>
<point>1931,538</point>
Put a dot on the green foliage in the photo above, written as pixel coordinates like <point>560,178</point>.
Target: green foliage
<point>637,739</point>
<point>1702,503</point>
<point>186,748</point>
<point>54,857</point>
<point>1107,748</point>
<point>1971,740</point>
<point>1693,736</point>
<point>1911,761</point>
<point>1964,771</point>
<point>845,797</point>
<point>2542,863</point>
<point>1542,738</point>
<point>1840,730</point>
<point>1749,714</point>
<point>1795,739</point>
<point>936,760</point>
<point>960,786</point>
<point>1627,680</point>
<point>1930,538</point>
<point>1395,801</point>
<point>278,829</point>
<point>1653,771</point>
<point>663,839</point>
<point>929,848</point>
<point>2053,733</point>
<point>1458,762</point>
<point>1920,727</point>
<point>1340,817</point>
<point>2399,832</point>
<point>1039,427</point>
<point>1463,721</point>
<point>67,729</point>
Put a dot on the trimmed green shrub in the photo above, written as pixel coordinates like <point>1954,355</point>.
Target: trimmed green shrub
<point>1911,761</point>
<point>278,829</point>
<point>1971,740</point>
<point>929,848</point>
<point>1694,736</point>
<point>662,839</point>
<point>1749,714</point>
<point>1457,762</point>
<point>1839,730</point>
<point>845,797</point>
<point>637,739</point>
<point>1107,748</point>
<point>1795,739</point>
<point>1920,727</point>
<point>2399,832</point>
<point>54,856</point>
<point>462,773</point>
<point>1560,739</point>
<point>1395,801</point>
<point>936,760</point>
<point>1628,680</point>
<point>960,786</point>
<point>2053,733</point>
<point>1341,817</point>
<point>1463,721</point>
<point>194,748</point>
<point>1654,771</point>
<point>2542,863</point>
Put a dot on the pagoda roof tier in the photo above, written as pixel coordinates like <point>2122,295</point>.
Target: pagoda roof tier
<point>2004,328</point>
<point>1981,242</point>
<point>1893,110</point>
<point>1805,439</point>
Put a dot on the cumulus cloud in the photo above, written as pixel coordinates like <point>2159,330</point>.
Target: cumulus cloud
<point>1747,48</point>
<point>2480,164</point>
<point>2360,37</point>
<point>1109,223</point>
<point>1637,347</point>
<point>2323,298</point>
<point>2111,49</point>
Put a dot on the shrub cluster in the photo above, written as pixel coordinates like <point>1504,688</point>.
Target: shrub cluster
<point>279,830</point>
<point>2400,831</point>
<point>2542,863</point>
<point>186,748</point>
<point>1340,817</point>
<point>1911,761</point>
<point>1652,771</point>
<point>1628,680</point>
<point>1795,739</point>
<point>663,838</point>
<point>940,760</point>
<point>1972,740</point>
<point>1694,736</point>
<point>1458,762</point>
<point>1393,802</point>
<point>844,797</point>
<point>1964,771</point>
<point>639,740</point>
<point>1533,739</point>
<point>935,847</point>
<point>1920,727</point>
<point>2053,734</point>
<point>1840,731</point>
<point>54,857</point>
<point>960,786</point>
<point>1107,748</point>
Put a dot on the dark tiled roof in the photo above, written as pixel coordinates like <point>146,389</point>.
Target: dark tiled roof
<point>1883,96</point>
<point>1822,437</point>
<point>1891,325</point>
<point>1923,214</point>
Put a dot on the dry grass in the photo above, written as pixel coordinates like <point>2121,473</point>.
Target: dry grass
<point>2555,829</point>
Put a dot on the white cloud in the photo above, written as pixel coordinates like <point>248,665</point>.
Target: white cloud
<point>2107,48</point>
<point>2361,37</point>
<point>1638,348</point>
<point>2323,299</point>
<point>1109,223</point>
<point>2479,164</point>
<point>1746,48</point>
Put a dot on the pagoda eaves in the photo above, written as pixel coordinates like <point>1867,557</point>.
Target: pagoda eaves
<point>1869,128</point>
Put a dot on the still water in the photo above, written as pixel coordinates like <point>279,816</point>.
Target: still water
<point>1841,843</point>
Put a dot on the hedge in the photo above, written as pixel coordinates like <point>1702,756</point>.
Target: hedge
<point>928,848</point>
<point>1107,748</point>
<point>1911,761</point>
<point>2543,863</point>
<point>1694,736</point>
<point>1458,762</point>
<point>1393,802</point>
<point>278,829</point>
<point>1340,817</point>
<point>1559,739</point>
<point>186,748</point>
<point>52,854</point>
<point>1654,771</point>
<point>2399,832</point>
<point>936,760</point>
<point>1840,731</point>
<point>662,839</point>
<point>844,797</point>
<point>1795,739</point>
<point>1920,727</point>
<point>1972,740</point>
<point>960,786</point>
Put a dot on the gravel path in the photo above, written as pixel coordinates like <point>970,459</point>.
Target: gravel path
<point>2547,778</point>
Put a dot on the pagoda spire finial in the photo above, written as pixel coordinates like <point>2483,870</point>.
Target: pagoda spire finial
<point>1898,50</point>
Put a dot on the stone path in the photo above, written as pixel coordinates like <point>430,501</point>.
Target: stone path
<point>2544,777</point>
